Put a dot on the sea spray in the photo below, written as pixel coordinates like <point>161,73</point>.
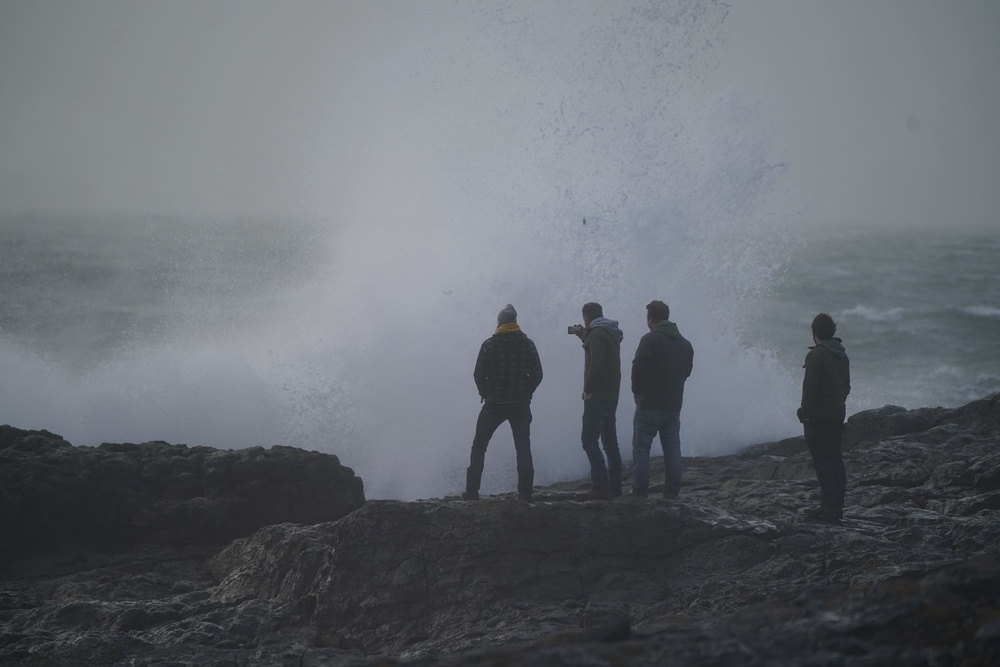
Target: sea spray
<point>518,154</point>
<point>554,162</point>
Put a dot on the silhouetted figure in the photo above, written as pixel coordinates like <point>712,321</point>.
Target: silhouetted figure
<point>507,373</point>
<point>663,361</point>
<point>825,387</point>
<point>602,378</point>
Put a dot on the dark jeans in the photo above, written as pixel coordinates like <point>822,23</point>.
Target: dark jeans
<point>599,422</point>
<point>490,418</point>
<point>824,442</point>
<point>646,425</point>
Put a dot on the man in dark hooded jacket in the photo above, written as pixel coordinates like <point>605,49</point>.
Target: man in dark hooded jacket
<point>602,378</point>
<point>507,373</point>
<point>825,387</point>
<point>663,362</point>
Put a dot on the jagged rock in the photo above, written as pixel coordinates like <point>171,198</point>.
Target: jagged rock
<point>514,570</point>
<point>53,494</point>
<point>943,617</point>
<point>732,573</point>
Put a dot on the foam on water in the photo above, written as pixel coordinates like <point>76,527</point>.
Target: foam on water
<point>982,311</point>
<point>876,314</point>
<point>526,155</point>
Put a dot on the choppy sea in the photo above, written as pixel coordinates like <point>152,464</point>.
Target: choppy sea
<point>918,310</point>
<point>128,330</point>
<point>456,176</point>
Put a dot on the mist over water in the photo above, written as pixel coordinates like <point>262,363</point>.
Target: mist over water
<point>559,157</point>
<point>544,156</point>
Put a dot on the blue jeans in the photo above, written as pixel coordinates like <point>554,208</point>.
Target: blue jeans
<point>824,442</point>
<point>490,418</point>
<point>599,421</point>
<point>646,424</point>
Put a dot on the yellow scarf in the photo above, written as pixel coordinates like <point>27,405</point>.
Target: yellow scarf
<point>508,328</point>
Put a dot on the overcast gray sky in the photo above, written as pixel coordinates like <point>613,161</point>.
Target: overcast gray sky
<point>885,110</point>
<point>888,109</point>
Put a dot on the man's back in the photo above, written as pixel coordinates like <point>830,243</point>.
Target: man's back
<point>508,369</point>
<point>663,361</point>
<point>602,362</point>
<point>827,382</point>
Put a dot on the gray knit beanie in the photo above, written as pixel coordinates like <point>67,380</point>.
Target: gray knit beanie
<point>507,315</point>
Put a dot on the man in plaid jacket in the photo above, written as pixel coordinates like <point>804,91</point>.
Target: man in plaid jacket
<point>507,373</point>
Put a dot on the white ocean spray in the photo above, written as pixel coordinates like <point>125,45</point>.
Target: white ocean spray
<point>530,155</point>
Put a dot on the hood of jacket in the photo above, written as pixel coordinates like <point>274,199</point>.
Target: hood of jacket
<point>667,327</point>
<point>610,325</point>
<point>834,345</point>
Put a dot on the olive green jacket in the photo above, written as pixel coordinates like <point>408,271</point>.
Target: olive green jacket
<point>826,384</point>
<point>602,366</point>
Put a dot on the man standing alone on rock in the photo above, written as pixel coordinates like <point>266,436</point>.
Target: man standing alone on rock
<point>602,377</point>
<point>825,387</point>
<point>663,361</point>
<point>507,373</point>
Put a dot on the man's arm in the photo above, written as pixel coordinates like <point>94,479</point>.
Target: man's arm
<point>640,366</point>
<point>534,367</point>
<point>847,376</point>
<point>598,362</point>
<point>810,387</point>
<point>480,375</point>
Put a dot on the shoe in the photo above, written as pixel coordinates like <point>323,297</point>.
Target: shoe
<point>594,494</point>
<point>817,513</point>
<point>525,497</point>
<point>638,494</point>
<point>470,495</point>
<point>615,494</point>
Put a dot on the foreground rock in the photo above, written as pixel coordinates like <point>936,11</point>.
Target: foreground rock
<point>731,574</point>
<point>54,495</point>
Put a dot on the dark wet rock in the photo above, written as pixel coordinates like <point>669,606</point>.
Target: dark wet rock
<point>514,570</point>
<point>731,573</point>
<point>53,494</point>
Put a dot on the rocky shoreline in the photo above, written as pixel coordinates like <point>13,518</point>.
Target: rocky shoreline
<point>157,554</point>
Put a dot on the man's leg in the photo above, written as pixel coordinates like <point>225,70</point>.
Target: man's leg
<point>819,444</point>
<point>519,415</point>
<point>609,440</point>
<point>592,424</point>
<point>643,431</point>
<point>489,419</point>
<point>670,441</point>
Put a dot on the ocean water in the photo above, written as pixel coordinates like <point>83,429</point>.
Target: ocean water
<point>487,154</point>
<point>917,309</point>
<point>133,330</point>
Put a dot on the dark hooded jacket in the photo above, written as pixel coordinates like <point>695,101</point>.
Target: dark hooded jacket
<point>826,384</point>
<point>602,365</point>
<point>508,369</point>
<point>663,361</point>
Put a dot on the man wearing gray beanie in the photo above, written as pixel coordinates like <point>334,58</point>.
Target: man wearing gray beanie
<point>507,373</point>
<point>507,315</point>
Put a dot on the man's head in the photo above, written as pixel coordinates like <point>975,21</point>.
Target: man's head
<point>656,311</point>
<point>507,316</point>
<point>823,327</point>
<point>591,311</point>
